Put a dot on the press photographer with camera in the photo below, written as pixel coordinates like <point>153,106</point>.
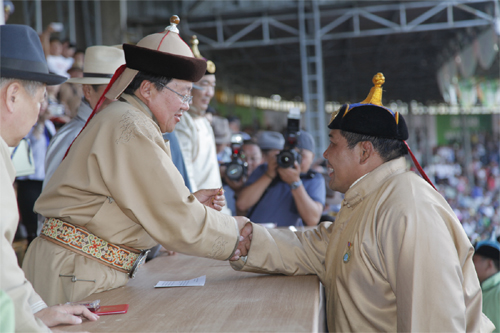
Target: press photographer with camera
<point>282,192</point>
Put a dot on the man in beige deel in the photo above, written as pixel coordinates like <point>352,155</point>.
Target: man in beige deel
<point>195,134</point>
<point>396,258</point>
<point>23,77</point>
<point>117,192</point>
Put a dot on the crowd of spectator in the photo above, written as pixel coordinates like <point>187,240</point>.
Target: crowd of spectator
<point>471,185</point>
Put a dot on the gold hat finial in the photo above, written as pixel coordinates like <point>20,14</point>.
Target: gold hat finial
<point>194,46</point>
<point>197,54</point>
<point>375,95</point>
<point>174,20</point>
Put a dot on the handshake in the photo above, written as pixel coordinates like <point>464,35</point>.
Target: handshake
<point>246,229</point>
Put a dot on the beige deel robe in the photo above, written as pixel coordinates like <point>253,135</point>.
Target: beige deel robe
<point>119,182</point>
<point>197,142</point>
<point>12,280</point>
<point>409,266</point>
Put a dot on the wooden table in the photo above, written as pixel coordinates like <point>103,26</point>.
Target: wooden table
<point>230,301</point>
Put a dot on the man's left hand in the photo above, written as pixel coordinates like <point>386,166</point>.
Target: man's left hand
<point>213,198</point>
<point>290,175</point>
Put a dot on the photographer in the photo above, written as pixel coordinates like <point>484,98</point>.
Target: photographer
<point>286,196</point>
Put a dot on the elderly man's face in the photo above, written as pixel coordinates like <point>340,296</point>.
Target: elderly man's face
<point>27,108</point>
<point>167,106</point>
<point>342,162</point>
<point>203,96</point>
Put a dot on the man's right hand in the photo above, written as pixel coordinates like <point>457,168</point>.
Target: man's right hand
<point>65,314</point>
<point>272,165</point>
<point>246,230</point>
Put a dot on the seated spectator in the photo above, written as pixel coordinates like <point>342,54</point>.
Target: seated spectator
<point>286,196</point>
<point>486,260</point>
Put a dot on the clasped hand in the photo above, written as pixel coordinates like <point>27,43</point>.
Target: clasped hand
<point>246,230</point>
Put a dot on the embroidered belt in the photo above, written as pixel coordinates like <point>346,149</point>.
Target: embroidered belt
<point>78,239</point>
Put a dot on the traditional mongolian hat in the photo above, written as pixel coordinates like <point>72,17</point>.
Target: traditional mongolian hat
<point>22,55</point>
<point>197,54</point>
<point>370,117</point>
<point>162,54</point>
<point>100,64</point>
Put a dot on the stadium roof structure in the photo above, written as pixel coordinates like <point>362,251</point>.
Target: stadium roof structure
<point>260,47</point>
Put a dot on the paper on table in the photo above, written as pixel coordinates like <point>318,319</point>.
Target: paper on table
<point>199,281</point>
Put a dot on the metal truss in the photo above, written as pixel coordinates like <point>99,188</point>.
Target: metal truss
<point>376,20</point>
<point>316,21</point>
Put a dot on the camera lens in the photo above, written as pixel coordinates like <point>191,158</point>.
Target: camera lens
<point>234,171</point>
<point>286,159</point>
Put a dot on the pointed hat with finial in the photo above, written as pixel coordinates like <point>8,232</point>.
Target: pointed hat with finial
<point>162,54</point>
<point>197,54</point>
<point>370,117</point>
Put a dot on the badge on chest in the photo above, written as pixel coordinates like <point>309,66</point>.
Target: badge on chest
<point>347,254</point>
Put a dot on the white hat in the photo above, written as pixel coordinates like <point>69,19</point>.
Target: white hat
<point>100,64</point>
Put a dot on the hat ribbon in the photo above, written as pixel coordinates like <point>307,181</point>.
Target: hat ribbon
<point>422,172</point>
<point>107,76</point>
<point>24,65</point>
<point>117,74</point>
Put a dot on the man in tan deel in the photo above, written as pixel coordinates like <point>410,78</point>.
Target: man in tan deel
<point>195,134</point>
<point>396,258</point>
<point>117,192</point>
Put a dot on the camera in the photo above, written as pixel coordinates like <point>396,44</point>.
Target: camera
<point>288,156</point>
<point>237,168</point>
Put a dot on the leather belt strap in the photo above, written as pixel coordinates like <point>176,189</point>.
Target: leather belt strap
<point>78,239</point>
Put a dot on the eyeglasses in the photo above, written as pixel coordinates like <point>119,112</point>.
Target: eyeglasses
<point>204,86</point>
<point>184,98</point>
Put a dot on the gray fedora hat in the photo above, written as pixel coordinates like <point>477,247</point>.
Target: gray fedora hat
<point>22,55</point>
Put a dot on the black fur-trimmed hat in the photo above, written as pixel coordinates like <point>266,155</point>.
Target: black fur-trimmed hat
<point>162,54</point>
<point>370,117</point>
